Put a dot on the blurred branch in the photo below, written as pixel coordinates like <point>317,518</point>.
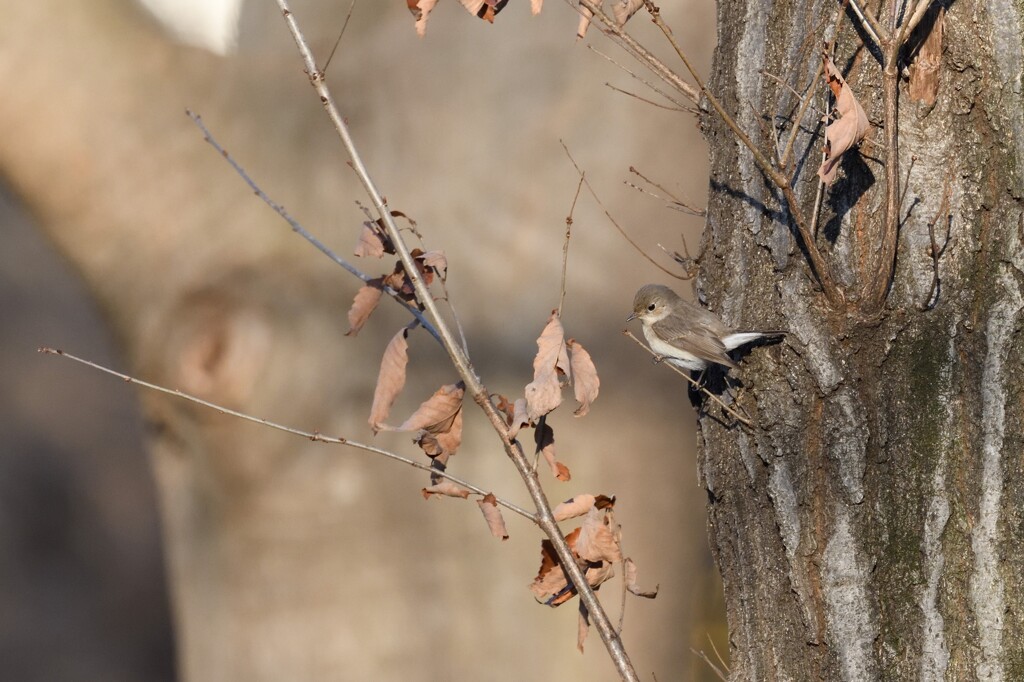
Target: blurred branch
<point>314,436</point>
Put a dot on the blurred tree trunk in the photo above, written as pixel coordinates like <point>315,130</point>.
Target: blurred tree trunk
<point>870,527</point>
<point>289,559</point>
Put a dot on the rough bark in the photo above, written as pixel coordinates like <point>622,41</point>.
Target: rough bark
<point>867,528</point>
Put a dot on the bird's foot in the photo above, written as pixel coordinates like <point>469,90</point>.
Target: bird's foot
<point>657,359</point>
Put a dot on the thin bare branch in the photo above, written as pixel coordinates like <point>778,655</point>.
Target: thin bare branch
<point>936,250</point>
<point>908,26</point>
<point>644,99</point>
<point>340,35</point>
<point>870,24</point>
<point>459,359</point>
<point>696,384</point>
<point>684,206</point>
<point>300,230</point>
<point>613,221</point>
<point>725,666</point>
<point>704,657</point>
<point>315,436</point>
<point>639,52</point>
<point>568,236</point>
<point>646,82</point>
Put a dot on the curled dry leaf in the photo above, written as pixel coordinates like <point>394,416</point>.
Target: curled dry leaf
<point>442,445</point>
<point>544,393</point>
<point>631,584</point>
<point>585,382</point>
<point>363,305</point>
<point>421,10</point>
<point>447,488</point>
<point>370,244</point>
<point>489,506</point>
<point>390,379</point>
<point>437,413</point>
<point>847,130</point>
<point>544,437</point>
<point>551,587</point>
<point>519,418</point>
<point>622,10</point>
<point>599,537</point>
<point>585,16</point>
<point>436,260</point>
<point>485,9</point>
<point>582,627</point>
<point>580,505</point>
<point>535,6</point>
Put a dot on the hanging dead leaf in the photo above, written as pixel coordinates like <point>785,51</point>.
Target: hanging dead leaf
<point>519,418</point>
<point>363,305</point>
<point>421,10</point>
<point>573,507</point>
<point>585,382</point>
<point>847,130</point>
<point>437,412</point>
<point>443,444</point>
<point>544,393</point>
<point>485,9</point>
<point>370,244</point>
<point>544,437</point>
<point>599,540</point>
<point>436,260</point>
<point>622,10</point>
<point>582,627</point>
<point>551,587</point>
<point>585,16</point>
<point>390,379</point>
<point>489,506</point>
<point>446,488</point>
<point>631,584</point>
<point>535,6</point>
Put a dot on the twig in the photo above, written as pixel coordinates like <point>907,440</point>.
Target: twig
<point>936,252</point>
<point>315,436</point>
<point>644,99</point>
<point>650,85</point>
<point>608,215</point>
<point>696,384</point>
<point>870,24</point>
<point>338,41</point>
<point>908,26</point>
<point>703,656</point>
<point>682,204</point>
<point>459,359</point>
<point>640,53</point>
<point>565,246</point>
<point>300,230</point>
<point>725,666</point>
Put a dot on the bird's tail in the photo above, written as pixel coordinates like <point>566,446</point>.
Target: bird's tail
<point>737,339</point>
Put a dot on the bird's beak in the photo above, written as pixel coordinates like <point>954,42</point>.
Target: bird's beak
<point>632,316</point>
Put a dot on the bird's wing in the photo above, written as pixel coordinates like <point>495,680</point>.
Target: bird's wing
<point>699,342</point>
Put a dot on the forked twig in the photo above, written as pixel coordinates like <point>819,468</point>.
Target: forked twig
<point>315,436</point>
<point>299,229</point>
<point>696,384</point>
<point>614,222</point>
<point>565,246</point>
<point>650,85</point>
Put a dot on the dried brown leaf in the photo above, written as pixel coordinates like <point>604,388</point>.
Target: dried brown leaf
<point>363,305</point>
<point>443,443</point>
<point>585,382</point>
<point>485,9</point>
<point>598,539</point>
<point>437,413</point>
<point>447,488</point>
<point>573,507</point>
<point>582,627</point>
<point>436,260</point>
<point>846,131</point>
<point>535,6</point>
<point>519,418</point>
<point>585,16</point>
<point>544,437</point>
<point>631,584</point>
<point>390,379</point>
<point>421,11</point>
<point>624,9</point>
<point>550,586</point>
<point>544,393</point>
<point>370,244</point>
<point>489,506</point>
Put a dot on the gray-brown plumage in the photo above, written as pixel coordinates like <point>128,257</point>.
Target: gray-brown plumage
<point>685,334</point>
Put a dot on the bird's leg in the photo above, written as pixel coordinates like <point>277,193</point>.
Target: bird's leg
<point>657,359</point>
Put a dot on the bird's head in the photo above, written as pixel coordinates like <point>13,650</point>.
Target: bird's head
<point>652,303</point>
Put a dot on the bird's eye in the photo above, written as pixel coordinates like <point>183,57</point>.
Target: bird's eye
<point>650,306</point>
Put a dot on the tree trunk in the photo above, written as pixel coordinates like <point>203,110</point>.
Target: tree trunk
<point>869,526</point>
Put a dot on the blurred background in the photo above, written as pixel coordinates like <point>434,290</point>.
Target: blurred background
<point>461,130</point>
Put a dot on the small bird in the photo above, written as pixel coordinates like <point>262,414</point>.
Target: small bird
<point>685,334</point>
